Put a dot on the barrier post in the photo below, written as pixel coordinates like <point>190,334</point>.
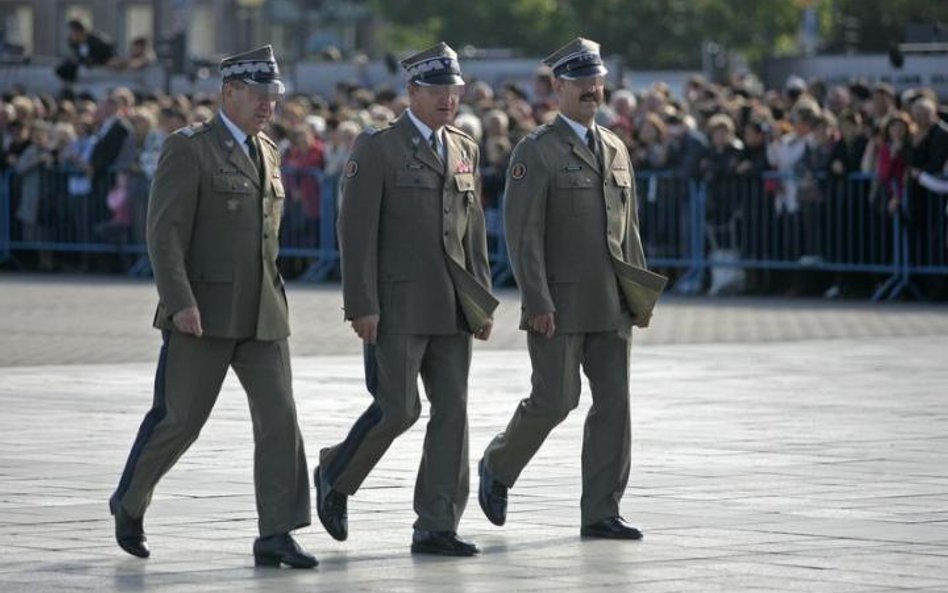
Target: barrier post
<point>900,280</point>
<point>690,280</point>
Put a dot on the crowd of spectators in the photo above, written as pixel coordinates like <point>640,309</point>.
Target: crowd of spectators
<point>105,149</point>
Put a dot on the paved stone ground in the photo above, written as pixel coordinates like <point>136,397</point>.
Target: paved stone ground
<point>778,446</point>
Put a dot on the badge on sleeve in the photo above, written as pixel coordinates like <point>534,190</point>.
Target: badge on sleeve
<point>352,168</point>
<point>518,171</point>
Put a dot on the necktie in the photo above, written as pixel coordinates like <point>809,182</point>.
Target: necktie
<point>252,151</point>
<point>591,142</point>
<point>435,145</point>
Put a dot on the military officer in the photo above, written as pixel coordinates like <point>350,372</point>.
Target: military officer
<point>213,222</point>
<point>573,236</point>
<point>416,284</point>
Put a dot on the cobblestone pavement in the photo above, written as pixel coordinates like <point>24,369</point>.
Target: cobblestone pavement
<point>777,446</point>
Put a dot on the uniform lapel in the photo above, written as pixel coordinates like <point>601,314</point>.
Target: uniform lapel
<point>235,153</point>
<point>266,171</point>
<point>453,158</point>
<point>608,152</point>
<point>422,150</point>
<point>579,148</point>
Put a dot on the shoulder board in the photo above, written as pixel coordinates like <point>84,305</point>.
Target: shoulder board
<point>267,139</point>
<point>459,132</point>
<point>193,129</point>
<point>539,131</point>
<point>372,130</point>
<point>607,132</point>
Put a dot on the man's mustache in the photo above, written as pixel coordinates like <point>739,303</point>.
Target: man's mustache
<point>589,97</point>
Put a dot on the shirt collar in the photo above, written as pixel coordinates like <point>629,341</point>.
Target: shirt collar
<point>577,127</point>
<point>424,129</point>
<point>236,132</point>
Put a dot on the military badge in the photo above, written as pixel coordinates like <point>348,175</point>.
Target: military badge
<point>352,168</point>
<point>518,171</point>
<point>464,167</point>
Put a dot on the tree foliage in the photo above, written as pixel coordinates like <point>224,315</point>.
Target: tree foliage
<point>874,25</point>
<point>648,33</point>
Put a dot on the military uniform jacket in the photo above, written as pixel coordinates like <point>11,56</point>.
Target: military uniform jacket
<point>567,218</point>
<point>213,232</point>
<point>411,230</point>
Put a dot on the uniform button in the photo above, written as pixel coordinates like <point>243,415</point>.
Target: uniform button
<point>447,210</point>
<point>266,235</point>
<point>446,233</point>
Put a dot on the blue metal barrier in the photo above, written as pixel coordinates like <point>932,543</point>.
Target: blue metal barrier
<point>317,240</point>
<point>46,217</point>
<point>785,222</point>
<point>697,228</point>
<point>666,204</point>
<point>501,272</point>
<point>923,243</point>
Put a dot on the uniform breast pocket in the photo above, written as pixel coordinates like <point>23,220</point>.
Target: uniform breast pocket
<point>235,191</point>
<point>464,182</point>
<point>413,189</point>
<point>274,205</point>
<point>623,180</point>
<point>580,186</point>
<point>279,192</point>
<point>416,179</point>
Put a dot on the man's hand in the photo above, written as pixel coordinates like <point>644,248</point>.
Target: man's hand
<point>188,321</point>
<point>544,324</point>
<point>367,328</point>
<point>484,332</point>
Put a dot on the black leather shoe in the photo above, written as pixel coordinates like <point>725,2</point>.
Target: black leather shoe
<point>279,549</point>
<point>442,543</point>
<point>331,507</point>
<point>129,532</point>
<point>492,495</point>
<point>611,528</point>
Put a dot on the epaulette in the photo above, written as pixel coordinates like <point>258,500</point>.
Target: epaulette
<point>372,130</point>
<point>539,131</point>
<point>460,133</point>
<point>609,132</point>
<point>193,129</point>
